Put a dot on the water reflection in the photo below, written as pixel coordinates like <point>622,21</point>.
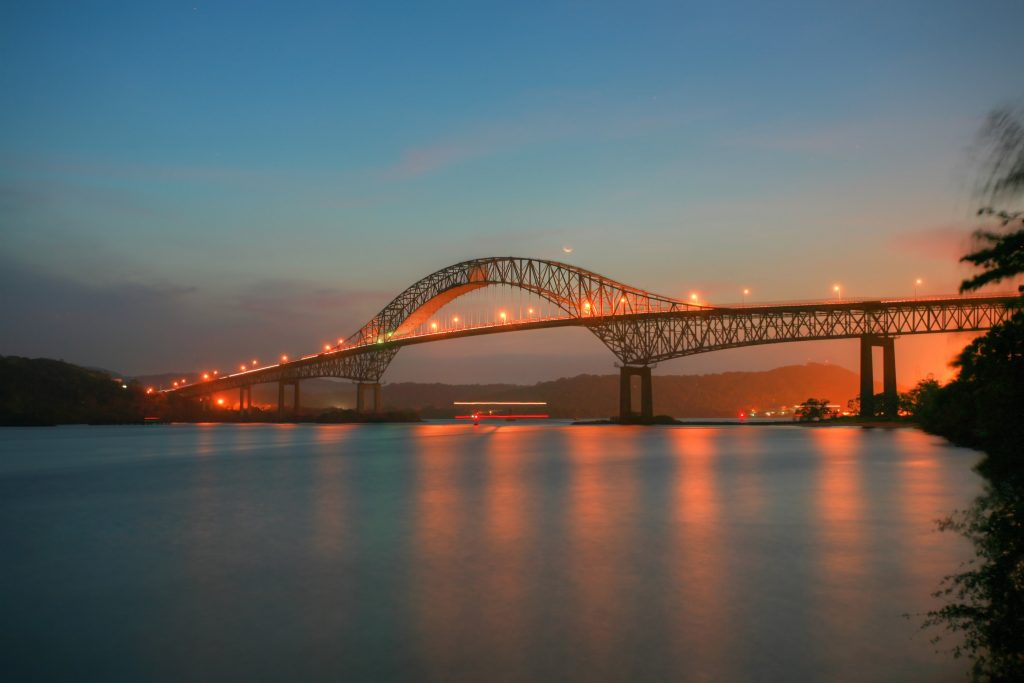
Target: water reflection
<point>447,552</point>
<point>439,560</point>
<point>600,514</point>
<point>701,618</point>
<point>840,507</point>
<point>505,537</point>
<point>332,504</point>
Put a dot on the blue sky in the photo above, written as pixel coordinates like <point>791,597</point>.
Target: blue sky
<point>182,183</point>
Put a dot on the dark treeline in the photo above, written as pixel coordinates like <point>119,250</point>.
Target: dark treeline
<point>41,391</point>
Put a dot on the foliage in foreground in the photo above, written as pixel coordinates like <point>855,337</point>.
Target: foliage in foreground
<point>986,607</point>
<point>984,409</point>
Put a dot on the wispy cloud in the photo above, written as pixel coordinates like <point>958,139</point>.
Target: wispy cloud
<point>946,243</point>
<point>569,118</point>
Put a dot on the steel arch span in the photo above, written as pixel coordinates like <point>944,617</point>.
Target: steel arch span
<point>639,327</point>
<point>574,290</point>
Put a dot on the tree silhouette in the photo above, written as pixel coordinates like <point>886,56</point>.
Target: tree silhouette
<point>1000,254</point>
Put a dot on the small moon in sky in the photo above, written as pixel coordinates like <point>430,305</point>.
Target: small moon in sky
<point>567,249</point>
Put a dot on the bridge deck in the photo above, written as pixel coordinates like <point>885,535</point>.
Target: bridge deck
<point>641,338</point>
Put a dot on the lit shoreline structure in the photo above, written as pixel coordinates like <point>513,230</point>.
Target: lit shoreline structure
<point>497,410</point>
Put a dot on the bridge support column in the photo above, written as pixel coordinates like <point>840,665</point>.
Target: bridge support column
<point>361,390</point>
<point>241,401</point>
<point>626,374</point>
<point>892,397</point>
<point>867,376</point>
<point>294,383</point>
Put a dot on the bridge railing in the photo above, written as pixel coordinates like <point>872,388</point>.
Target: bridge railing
<point>597,313</point>
<point>924,298</point>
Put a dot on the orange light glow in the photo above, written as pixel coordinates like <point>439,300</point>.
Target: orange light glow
<point>220,401</point>
<point>149,390</point>
<point>206,375</point>
<point>455,319</point>
<point>529,311</point>
<point>693,297</point>
<point>216,371</point>
<point>327,347</point>
<point>254,362</point>
<point>586,305</point>
<point>622,300</point>
<point>284,358</point>
<point>175,383</point>
<point>746,291</point>
<point>433,326</point>
<point>502,316</point>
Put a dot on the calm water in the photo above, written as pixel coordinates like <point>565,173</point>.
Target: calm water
<point>443,552</point>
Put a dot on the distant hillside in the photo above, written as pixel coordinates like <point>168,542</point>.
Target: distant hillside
<point>714,395</point>
<point>45,391</point>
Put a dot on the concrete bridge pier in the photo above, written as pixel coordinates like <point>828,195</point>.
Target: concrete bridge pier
<point>244,400</point>
<point>295,396</point>
<point>626,374</point>
<point>867,376</point>
<point>361,389</point>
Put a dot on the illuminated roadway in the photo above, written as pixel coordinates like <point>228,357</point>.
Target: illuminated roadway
<point>641,328</point>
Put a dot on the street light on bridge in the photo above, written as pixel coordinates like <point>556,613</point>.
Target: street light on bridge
<point>839,292</point>
<point>503,317</point>
<point>745,293</point>
<point>917,283</point>
<point>284,358</point>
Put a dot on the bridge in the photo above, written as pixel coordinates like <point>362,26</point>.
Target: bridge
<point>640,328</point>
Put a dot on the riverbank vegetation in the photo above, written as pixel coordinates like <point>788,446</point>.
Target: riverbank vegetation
<point>42,391</point>
<point>983,408</point>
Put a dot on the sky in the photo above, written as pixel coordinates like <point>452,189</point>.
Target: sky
<point>187,184</point>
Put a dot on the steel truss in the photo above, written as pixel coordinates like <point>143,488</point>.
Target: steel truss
<point>647,339</point>
<point>639,327</point>
<point>576,291</point>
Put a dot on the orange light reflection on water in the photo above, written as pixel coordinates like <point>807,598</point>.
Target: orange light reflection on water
<point>840,501</point>
<point>701,619</point>
<point>506,507</point>
<point>600,514</point>
<point>331,497</point>
<point>440,518</point>
<point>843,577</point>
